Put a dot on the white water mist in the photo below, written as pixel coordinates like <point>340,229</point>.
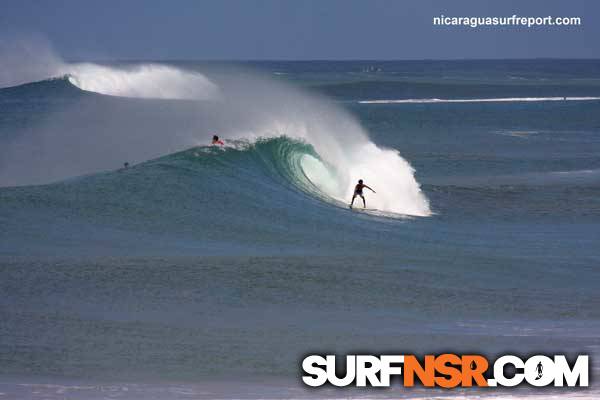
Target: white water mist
<point>95,134</point>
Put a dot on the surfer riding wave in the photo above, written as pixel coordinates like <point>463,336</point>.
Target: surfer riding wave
<point>358,191</point>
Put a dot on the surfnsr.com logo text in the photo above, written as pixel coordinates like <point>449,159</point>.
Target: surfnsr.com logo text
<point>445,371</point>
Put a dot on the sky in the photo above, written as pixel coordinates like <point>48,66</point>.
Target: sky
<point>297,30</point>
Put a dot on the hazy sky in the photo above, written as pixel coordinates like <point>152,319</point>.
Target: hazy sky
<point>301,29</point>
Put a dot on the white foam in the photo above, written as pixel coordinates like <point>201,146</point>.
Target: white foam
<point>250,108</point>
<point>320,175</point>
<point>272,388</point>
<point>485,100</point>
<point>30,60</point>
<point>141,81</point>
<point>348,156</point>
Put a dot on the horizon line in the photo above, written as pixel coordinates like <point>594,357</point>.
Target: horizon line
<point>79,59</point>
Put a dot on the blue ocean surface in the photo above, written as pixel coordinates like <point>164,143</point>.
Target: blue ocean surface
<point>203,271</point>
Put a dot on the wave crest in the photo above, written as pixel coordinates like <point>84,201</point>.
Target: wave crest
<point>299,164</point>
<point>143,81</point>
<point>86,136</point>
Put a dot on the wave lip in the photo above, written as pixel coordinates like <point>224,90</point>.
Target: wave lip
<point>484,100</point>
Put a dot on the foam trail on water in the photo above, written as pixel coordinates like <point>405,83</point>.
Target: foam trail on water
<point>487,100</point>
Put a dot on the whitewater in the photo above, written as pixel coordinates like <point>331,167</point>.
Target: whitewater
<point>240,106</point>
<point>490,100</point>
<point>209,272</point>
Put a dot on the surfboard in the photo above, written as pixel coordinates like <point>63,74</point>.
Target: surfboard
<point>361,209</point>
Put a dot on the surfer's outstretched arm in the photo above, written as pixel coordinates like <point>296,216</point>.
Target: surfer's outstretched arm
<point>370,189</point>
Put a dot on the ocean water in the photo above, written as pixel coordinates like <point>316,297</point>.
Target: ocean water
<point>209,272</point>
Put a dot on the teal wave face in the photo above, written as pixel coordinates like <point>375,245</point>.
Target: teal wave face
<point>207,260</point>
<point>278,159</point>
<point>253,197</point>
<point>296,162</point>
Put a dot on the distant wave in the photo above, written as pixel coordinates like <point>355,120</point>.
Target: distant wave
<point>141,81</point>
<point>145,81</point>
<point>523,134</point>
<point>91,136</point>
<point>487,100</point>
<point>28,61</point>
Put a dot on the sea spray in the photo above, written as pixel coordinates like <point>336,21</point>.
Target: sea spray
<point>97,133</point>
<point>257,107</point>
<point>150,81</point>
<point>27,59</point>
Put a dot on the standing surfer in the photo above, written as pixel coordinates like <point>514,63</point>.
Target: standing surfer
<point>358,191</point>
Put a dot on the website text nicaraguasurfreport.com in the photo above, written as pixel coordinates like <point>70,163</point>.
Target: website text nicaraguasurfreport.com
<point>513,20</point>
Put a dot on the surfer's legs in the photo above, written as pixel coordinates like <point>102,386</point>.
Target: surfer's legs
<point>352,202</point>
<point>364,203</point>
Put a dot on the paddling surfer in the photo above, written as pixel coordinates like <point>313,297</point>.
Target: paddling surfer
<point>217,141</point>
